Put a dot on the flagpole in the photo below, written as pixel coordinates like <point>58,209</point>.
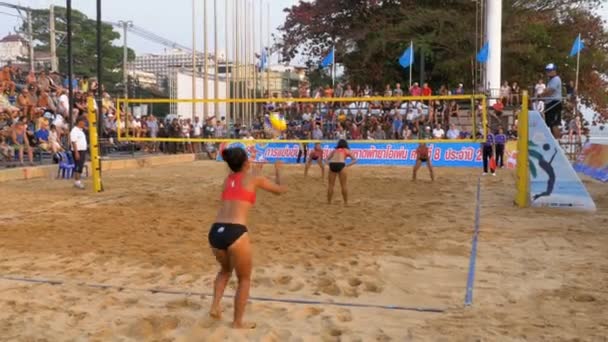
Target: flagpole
<point>333,66</point>
<point>226,79</point>
<point>578,62</point>
<point>411,60</point>
<point>268,54</point>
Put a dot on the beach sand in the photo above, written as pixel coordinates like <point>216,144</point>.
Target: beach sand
<point>541,275</point>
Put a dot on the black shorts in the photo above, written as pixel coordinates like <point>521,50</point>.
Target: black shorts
<point>223,235</point>
<point>553,114</point>
<point>423,160</point>
<point>337,167</point>
<point>79,164</point>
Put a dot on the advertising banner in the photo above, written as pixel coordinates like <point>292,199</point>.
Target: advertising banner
<point>372,153</point>
<point>553,181</point>
<point>593,162</point>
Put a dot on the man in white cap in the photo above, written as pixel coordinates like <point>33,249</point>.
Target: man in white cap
<point>553,100</point>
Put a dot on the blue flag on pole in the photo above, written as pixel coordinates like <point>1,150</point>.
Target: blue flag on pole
<point>329,59</point>
<point>407,59</point>
<point>482,56</point>
<point>264,59</point>
<point>577,46</point>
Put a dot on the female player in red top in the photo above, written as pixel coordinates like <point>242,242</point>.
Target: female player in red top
<point>228,237</point>
<point>422,153</point>
<point>337,163</point>
<point>315,155</point>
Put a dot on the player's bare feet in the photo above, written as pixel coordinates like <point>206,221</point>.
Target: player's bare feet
<point>216,313</point>
<point>244,325</point>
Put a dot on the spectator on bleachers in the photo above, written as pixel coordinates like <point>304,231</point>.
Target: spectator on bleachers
<point>453,132</point>
<point>20,141</point>
<point>42,136</point>
<point>54,140</point>
<point>7,152</point>
<point>25,104</point>
<point>438,132</point>
<point>505,93</point>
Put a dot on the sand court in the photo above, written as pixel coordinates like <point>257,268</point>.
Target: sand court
<point>398,244</point>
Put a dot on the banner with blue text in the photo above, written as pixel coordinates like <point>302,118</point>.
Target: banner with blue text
<point>372,153</point>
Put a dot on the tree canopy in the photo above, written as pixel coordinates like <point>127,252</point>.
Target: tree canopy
<point>370,35</point>
<point>84,45</point>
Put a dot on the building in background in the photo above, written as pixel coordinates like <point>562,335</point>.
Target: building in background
<point>180,87</point>
<point>13,49</point>
<point>144,79</point>
<point>162,65</point>
<point>283,79</point>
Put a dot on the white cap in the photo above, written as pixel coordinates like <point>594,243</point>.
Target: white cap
<point>550,67</point>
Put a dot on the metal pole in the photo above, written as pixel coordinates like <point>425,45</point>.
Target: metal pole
<point>226,79</point>
<point>70,60</point>
<point>261,46</point>
<point>30,33</point>
<point>268,47</point>
<point>125,74</point>
<point>237,50</point>
<point>253,61</point>
<point>53,41</point>
<point>578,63</point>
<point>193,57</point>
<point>205,62</point>
<point>247,42</point>
<point>216,83</point>
<point>411,61</point>
<point>99,69</point>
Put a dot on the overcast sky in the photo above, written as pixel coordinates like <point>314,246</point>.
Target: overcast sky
<point>169,19</point>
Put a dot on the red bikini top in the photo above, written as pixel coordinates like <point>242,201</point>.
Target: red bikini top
<point>234,191</point>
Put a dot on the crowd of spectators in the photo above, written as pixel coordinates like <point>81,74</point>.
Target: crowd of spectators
<point>34,116</point>
<point>35,111</point>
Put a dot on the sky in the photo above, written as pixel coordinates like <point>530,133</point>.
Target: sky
<point>168,19</point>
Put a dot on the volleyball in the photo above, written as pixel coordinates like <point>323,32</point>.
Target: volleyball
<point>278,122</point>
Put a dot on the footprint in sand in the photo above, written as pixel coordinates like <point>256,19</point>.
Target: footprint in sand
<point>306,313</point>
<point>182,304</point>
<point>152,326</point>
<point>296,287</point>
<point>283,280</point>
<point>372,287</point>
<point>344,315</point>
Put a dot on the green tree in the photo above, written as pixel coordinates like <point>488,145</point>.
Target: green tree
<point>370,35</point>
<point>84,45</point>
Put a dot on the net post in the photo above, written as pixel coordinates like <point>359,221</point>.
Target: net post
<point>94,145</point>
<point>523,174</point>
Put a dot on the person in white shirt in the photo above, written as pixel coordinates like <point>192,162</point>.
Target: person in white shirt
<point>453,132</point>
<point>64,104</point>
<point>539,89</point>
<point>79,148</point>
<point>438,132</point>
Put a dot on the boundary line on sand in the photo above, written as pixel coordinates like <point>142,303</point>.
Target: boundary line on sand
<point>258,299</point>
<point>468,298</point>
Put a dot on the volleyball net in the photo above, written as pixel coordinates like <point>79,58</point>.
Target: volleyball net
<point>432,119</point>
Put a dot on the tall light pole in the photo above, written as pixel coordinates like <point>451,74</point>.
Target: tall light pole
<point>227,80</point>
<point>237,57</point>
<point>125,72</point>
<point>53,40</point>
<point>494,29</point>
<point>193,57</point>
<point>216,79</point>
<point>205,61</point>
<point>68,14</point>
